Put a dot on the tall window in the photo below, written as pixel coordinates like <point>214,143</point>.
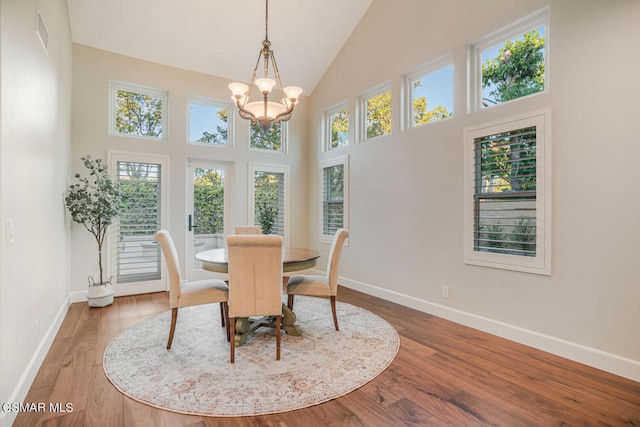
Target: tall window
<point>337,127</point>
<point>274,139</point>
<point>334,191</point>
<point>208,201</point>
<point>269,194</point>
<point>375,112</point>
<point>511,63</point>
<point>138,111</point>
<point>428,93</point>
<point>508,193</point>
<point>137,254</point>
<point>210,122</point>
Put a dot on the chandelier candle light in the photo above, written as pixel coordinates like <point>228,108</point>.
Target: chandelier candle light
<point>265,112</point>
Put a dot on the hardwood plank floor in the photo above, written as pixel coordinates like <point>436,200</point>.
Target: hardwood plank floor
<point>444,374</point>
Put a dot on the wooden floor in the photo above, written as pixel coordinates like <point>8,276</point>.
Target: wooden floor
<point>444,374</point>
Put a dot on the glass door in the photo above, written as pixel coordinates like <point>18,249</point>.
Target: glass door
<point>208,214</point>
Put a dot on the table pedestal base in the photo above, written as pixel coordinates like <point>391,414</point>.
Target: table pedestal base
<point>246,325</point>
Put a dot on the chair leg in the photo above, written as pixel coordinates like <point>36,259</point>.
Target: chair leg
<point>174,318</point>
<point>222,313</point>
<point>290,301</point>
<point>225,306</point>
<point>278,337</point>
<point>333,309</point>
<point>232,325</point>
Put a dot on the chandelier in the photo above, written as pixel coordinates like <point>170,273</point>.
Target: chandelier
<point>264,112</point>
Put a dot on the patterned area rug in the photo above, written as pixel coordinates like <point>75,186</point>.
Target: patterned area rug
<point>195,376</point>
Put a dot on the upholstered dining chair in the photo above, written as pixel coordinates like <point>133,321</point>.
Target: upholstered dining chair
<point>185,294</point>
<point>248,229</point>
<point>255,280</point>
<point>321,286</point>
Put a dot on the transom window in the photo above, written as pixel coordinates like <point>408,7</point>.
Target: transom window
<point>510,63</point>
<point>429,93</point>
<point>375,112</point>
<point>210,122</point>
<point>507,194</point>
<point>138,111</point>
<point>337,126</point>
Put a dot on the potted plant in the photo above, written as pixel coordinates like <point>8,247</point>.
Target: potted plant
<point>94,202</point>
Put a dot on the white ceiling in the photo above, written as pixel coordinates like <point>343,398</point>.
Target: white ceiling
<point>221,37</point>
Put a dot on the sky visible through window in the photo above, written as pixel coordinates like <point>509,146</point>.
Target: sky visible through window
<point>437,87</point>
<point>203,118</point>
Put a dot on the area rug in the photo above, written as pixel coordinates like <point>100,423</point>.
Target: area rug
<point>195,376</point>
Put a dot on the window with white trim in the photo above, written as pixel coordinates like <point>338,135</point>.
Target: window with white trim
<point>273,139</point>
<point>374,110</point>
<point>510,63</point>
<point>337,126</point>
<point>508,194</point>
<point>141,181</point>
<point>334,182</point>
<point>428,93</point>
<point>138,111</point>
<point>269,188</point>
<point>210,122</point>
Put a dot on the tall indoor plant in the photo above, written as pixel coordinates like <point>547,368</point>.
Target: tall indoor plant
<point>94,202</point>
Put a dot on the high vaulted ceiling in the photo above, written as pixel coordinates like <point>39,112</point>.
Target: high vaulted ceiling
<point>221,37</point>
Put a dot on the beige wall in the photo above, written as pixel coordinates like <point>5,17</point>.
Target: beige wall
<point>35,141</point>
<point>93,69</point>
<point>406,191</point>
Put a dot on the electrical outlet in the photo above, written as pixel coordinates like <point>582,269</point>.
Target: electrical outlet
<point>445,292</point>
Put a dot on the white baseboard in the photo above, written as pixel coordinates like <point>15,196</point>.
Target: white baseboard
<point>608,362</point>
<point>26,379</point>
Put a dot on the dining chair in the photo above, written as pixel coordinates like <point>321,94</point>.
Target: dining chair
<point>185,294</point>
<point>248,229</point>
<point>255,280</point>
<point>321,286</point>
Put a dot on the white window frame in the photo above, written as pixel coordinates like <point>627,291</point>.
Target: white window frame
<point>327,125</point>
<point>284,140</point>
<point>150,285</point>
<point>202,100</point>
<point>501,36</point>
<point>541,263</point>
<point>341,160</point>
<point>361,110</point>
<point>407,88</point>
<point>260,167</point>
<point>144,90</point>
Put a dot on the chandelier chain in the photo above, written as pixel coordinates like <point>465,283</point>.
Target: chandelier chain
<point>266,20</point>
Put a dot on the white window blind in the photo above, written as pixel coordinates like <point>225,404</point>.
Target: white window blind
<point>333,199</point>
<point>137,253</point>
<point>505,193</point>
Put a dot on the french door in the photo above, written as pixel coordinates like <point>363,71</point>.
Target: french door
<point>208,211</point>
<point>137,261</point>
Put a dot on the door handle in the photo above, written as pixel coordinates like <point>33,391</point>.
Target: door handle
<point>191,225</point>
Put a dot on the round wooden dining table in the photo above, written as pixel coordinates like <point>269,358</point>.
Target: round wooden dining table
<point>293,259</point>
